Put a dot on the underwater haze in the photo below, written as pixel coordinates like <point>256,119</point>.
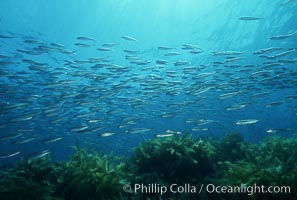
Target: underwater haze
<point>109,74</point>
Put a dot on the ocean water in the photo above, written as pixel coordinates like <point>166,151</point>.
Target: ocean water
<point>99,98</point>
<point>111,74</point>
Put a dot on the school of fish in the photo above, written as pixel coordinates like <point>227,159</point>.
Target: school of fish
<point>48,87</point>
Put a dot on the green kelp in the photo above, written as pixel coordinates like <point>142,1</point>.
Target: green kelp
<point>173,160</point>
<point>85,176</point>
<point>36,180</point>
<point>271,162</point>
<point>179,159</point>
<point>231,147</point>
<point>92,176</point>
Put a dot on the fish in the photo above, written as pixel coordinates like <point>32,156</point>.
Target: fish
<point>165,48</point>
<point>68,52</point>
<point>247,121</point>
<point>236,107</point>
<point>23,118</point>
<point>226,53</point>
<point>260,73</point>
<point>267,50</point>
<point>7,36</point>
<point>277,130</point>
<point>9,155</point>
<point>145,62</point>
<point>190,47</point>
<point>162,62</point>
<point>4,63</point>
<point>181,63</point>
<point>281,54</point>
<point>138,130</point>
<point>10,136</point>
<point>196,51</point>
<point>168,133</point>
<point>196,129</point>
<point>282,37</point>
<point>32,41</point>
<point>38,155</point>
<point>165,135</point>
<point>271,131</point>
<point>47,87</point>
<point>2,56</point>
<point>129,38</point>
<point>32,62</point>
<point>173,53</point>
<point>82,45</point>
<point>287,61</point>
<point>130,51</point>
<point>232,59</point>
<point>291,97</point>
<point>249,18</point>
<point>276,103</point>
<point>228,95</point>
<point>104,49</point>
<point>29,52</point>
<point>85,38</point>
<point>51,139</point>
<point>23,141</point>
<point>107,134</point>
<point>201,122</point>
<point>54,44</point>
<point>110,44</point>
<point>79,128</point>
<point>172,131</point>
<point>261,94</point>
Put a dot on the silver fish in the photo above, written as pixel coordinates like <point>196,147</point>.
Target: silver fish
<point>161,62</point>
<point>7,36</point>
<point>249,18</point>
<point>165,135</point>
<point>247,121</point>
<point>38,155</point>
<point>138,130</point>
<point>10,136</point>
<point>107,134</point>
<point>33,41</point>
<point>196,129</point>
<point>79,128</point>
<point>50,140</point>
<point>82,45</point>
<point>10,155</point>
<point>277,130</point>
<point>85,38</point>
<point>282,37</point>
<point>165,48</point>
<point>109,44</point>
<point>104,49</point>
<point>23,141</point>
<point>129,38</point>
<point>172,54</point>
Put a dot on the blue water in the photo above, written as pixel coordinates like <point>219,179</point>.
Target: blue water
<point>132,95</point>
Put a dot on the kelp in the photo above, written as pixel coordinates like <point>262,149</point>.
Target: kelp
<point>180,159</point>
<point>271,162</point>
<point>85,176</point>
<point>36,179</point>
<point>92,176</point>
<point>229,161</point>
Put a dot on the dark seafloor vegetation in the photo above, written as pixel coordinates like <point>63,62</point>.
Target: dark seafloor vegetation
<point>91,176</point>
